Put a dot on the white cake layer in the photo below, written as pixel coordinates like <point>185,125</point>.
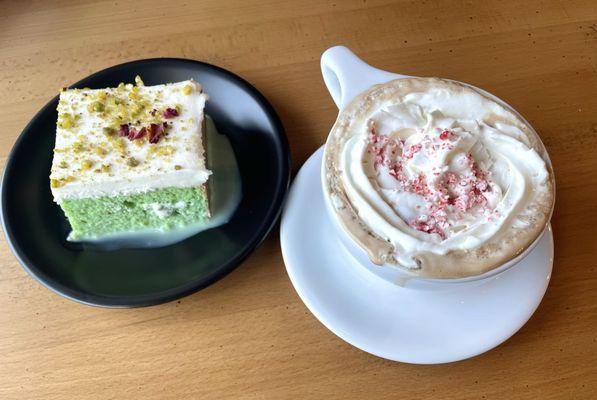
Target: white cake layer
<point>92,160</point>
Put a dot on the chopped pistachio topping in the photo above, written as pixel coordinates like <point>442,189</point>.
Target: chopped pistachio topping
<point>120,146</point>
<point>56,183</point>
<point>165,150</point>
<point>96,106</point>
<point>187,90</point>
<point>132,162</point>
<point>109,131</point>
<point>79,147</point>
<point>66,124</point>
<point>67,121</point>
<point>134,93</point>
<point>86,164</point>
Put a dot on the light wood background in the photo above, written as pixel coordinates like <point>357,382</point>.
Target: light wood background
<point>249,335</point>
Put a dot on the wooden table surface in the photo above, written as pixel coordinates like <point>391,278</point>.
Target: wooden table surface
<point>249,335</point>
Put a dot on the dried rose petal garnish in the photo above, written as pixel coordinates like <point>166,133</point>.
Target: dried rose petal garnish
<point>155,132</point>
<point>170,113</point>
<point>133,134</point>
<point>123,130</point>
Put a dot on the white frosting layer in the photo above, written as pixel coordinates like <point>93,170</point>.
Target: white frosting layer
<point>424,191</point>
<point>177,160</point>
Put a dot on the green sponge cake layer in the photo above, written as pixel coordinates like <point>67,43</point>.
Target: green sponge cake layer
<point>160,209</point>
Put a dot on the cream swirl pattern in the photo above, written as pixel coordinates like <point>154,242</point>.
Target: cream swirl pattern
<point>435,177</point>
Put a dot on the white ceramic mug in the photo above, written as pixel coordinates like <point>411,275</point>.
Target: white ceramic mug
<point>346,76</point>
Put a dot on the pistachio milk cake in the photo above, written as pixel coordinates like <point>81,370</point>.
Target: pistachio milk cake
<point>130,159</point>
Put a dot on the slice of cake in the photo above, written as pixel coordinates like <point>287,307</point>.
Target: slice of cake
<point>130,159</point>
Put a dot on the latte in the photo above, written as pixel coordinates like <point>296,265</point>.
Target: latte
<point>435,177</point>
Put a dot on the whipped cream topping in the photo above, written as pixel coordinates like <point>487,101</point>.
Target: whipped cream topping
<point>439,170</point>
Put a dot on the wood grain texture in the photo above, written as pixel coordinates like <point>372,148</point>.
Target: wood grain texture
<point>249,335</point>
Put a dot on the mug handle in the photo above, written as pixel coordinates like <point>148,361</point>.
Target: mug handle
<point>346,75</point>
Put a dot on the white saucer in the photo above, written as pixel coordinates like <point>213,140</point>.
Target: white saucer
<point>393,322</point>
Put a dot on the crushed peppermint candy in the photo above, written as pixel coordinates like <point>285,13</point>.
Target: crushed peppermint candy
<point>448,194</point>
<point>412,150</point>
<point>427,224</point>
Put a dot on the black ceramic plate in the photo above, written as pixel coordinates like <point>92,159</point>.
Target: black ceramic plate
<point>36,228</point>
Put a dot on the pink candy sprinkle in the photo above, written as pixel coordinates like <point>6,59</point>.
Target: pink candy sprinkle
<point>447,195</point>
<point>450,178</point>
<point>412,150</point>
<point>419,185</point>
<point>395,171</point>
<point>382,147</point>
<point>427,225</point>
